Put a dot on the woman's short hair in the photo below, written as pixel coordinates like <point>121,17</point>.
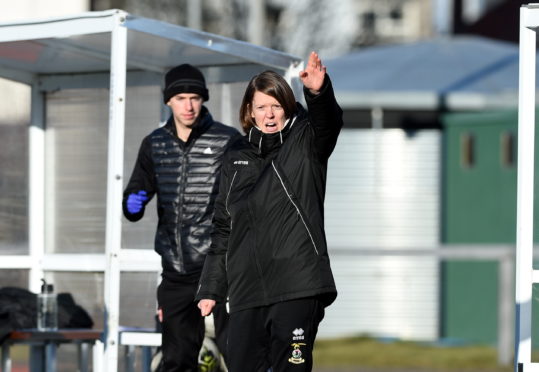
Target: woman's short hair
<point>274,85</point>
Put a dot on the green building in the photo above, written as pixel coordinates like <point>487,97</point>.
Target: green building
<point>478,207</point>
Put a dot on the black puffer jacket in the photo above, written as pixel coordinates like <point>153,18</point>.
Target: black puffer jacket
<point>185,177</point>
<point>269,242</point>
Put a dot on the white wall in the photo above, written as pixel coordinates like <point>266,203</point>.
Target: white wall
<point>31,9</point>
<point>14,97</point>
<point>383,191</point>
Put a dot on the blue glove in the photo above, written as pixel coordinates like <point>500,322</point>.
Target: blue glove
<point>135,202</point>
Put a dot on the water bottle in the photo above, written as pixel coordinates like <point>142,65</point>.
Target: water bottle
<point>47,308</point>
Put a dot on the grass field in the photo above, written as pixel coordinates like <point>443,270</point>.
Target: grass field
<point>364,353</point>
<point>371,353</point>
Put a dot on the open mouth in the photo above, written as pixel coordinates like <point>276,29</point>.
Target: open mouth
<point>271,126</point>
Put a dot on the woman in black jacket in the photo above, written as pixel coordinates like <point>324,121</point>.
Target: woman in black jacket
<point>269,256</point>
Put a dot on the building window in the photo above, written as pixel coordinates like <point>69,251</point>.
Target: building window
<point>507,149</point>
<point>467,150</point>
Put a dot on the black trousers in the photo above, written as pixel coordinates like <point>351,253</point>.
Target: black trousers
<point>280,336</point>
<point>183,326</point>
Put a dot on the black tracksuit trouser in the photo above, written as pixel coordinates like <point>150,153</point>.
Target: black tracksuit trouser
<point>280,336</point>
<point>183,327</point>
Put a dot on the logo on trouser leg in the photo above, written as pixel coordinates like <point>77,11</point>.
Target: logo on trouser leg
<point>298,334</point>
<point>296,354</point>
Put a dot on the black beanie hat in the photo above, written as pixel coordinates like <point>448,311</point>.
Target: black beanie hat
<point>185,79</point>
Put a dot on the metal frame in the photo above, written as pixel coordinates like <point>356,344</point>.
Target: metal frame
<point>113,235</point>
<point>526,276</point>
<point>234,58</point>
<point>36,197</point>
<point>501,253</point>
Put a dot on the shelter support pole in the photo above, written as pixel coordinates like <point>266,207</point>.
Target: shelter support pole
<point>114,191</point>
<point>36,189</point>
<point>227,115</point>
<point>524,230</point>
<point>292,78</point>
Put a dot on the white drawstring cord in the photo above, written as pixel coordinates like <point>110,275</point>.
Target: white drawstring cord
<point>293,121</point>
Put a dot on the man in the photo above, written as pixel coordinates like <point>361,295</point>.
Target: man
<point>180,163</point>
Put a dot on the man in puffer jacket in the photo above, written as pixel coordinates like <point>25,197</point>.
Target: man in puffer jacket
<point>269,254</point>
<point>180,163</point>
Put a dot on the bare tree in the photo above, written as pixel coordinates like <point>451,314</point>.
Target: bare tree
<point>226,17</point>
<point>328,27</point>
<point>296,27</point>
<point>173,11</point>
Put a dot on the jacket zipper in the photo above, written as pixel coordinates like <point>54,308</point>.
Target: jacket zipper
<point>227,211</point>
<point>183,186</point>
<point>295,206</point>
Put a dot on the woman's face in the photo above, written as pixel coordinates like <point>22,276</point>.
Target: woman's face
<point>267,113</point>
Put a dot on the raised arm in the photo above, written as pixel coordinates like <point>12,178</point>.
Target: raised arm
<point>324,112</point>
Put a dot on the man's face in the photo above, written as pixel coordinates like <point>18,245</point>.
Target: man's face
<point>185,108</point>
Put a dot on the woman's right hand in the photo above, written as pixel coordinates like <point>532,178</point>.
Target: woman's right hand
<point>206,307</point>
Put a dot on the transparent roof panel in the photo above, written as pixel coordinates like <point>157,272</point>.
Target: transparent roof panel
<point>82,44</point>
<point>53,56</point>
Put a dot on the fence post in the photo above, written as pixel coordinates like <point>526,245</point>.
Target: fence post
<point>505,310</point>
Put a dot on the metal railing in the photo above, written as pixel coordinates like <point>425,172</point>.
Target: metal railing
<point>503,254</point>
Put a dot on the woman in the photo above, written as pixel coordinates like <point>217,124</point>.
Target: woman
<point>268,253</point>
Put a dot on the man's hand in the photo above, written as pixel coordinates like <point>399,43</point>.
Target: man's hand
<point>313,75</point>
<point>206,307</point>
<point>135,202</point>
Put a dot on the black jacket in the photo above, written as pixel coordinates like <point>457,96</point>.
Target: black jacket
<point>269,243</point>
<point>18,310</point>
<point>185,177</point>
